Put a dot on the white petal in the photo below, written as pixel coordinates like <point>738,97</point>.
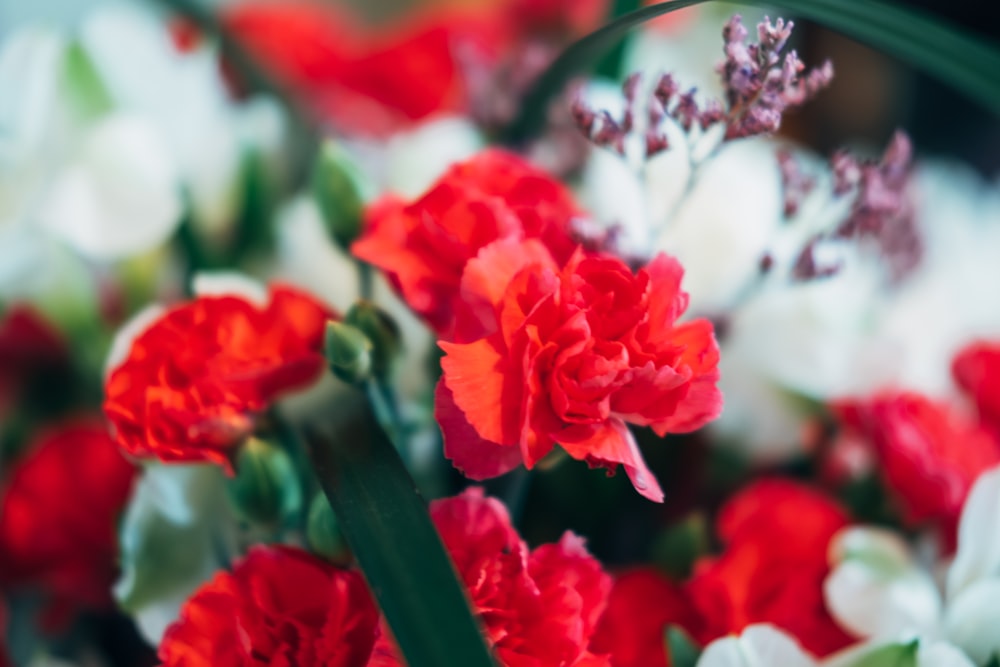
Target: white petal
<point>941,654</point>
<point>120,197</point>
<point>876,589</point>
<point>417,158</point>
<point>978,555</point>
<point>230,283</point>
<point>307,256</point>
<point>175,524</point>
<point>758,646</point>
<point>973,619</point>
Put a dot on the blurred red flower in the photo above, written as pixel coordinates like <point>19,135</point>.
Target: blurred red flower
<point>374,79</point>
<point>425,245</point>
<point>59,508</point>
<point>31,351</point>
<point>976,369</point>
<point>279,606</point>
<point>929,454</point>
<point>776,534</point>
<point>538,607</point>
<point>367,79</point>
<point>580,353</point>
<point>643,603</point>
<point>197,378</point>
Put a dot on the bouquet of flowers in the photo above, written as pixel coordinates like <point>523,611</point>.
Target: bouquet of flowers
<point>474,335</point>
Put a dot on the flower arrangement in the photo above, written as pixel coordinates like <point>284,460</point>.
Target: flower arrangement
<point>303,317</point>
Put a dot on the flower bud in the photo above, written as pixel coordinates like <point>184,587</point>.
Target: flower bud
<point>265,489</point>
<point>323,531</point>
<point>382,331</point>
<point>337,186</point>
<point>349,352</point>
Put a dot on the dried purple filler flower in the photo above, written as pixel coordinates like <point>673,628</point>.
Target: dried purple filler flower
<point>760,84</point>
<point>881,211</point>
<point>796,185</point>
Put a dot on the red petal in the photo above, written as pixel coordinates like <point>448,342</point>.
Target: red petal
<point>612,442</point>
<point>474,456</point>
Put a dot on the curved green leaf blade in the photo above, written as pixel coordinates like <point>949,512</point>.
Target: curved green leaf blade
<point>968,63</point>
<point>386,523</point>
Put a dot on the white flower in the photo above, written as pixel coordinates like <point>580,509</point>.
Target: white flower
<point>176,525</point>
<point>877,590</point>
<point>119,195</point>
<point>757,646</point>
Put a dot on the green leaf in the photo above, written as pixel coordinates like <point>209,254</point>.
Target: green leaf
<point>85,88</point>
<point>994,661</point>
<point>893,655</point>
<point>387,526</point>
<point>680,647</point>
<point>967,62</point>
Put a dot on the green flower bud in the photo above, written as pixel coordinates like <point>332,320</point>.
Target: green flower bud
<point>337,187</point>
<point>382,331</point>
<point>266,488</point>
<point>323,531</point>
<point>349,352</point>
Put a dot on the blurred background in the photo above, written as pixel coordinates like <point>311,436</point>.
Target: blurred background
<point>871,95</point>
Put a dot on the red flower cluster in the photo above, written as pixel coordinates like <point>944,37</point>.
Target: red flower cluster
<point>776,535</point>
<point>580,352</point>
<point>195,380</point>
<point>279,606</point>
<point>425,245</point>
<point>58,514</point>
<point>538,607</point>
<point>283,606</point>
<point>929,453</point>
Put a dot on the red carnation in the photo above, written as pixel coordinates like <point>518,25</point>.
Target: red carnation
<point>580,353</point>
<point>777,535</point>
<point>424,246</point>
<point>58,515</point>
<point>31,352</point>
<point>930,454</point>
<point>195,381</point>
<point>537,607</point>
<point>642,605</point>
<point>279,606</point>
<point>367,79</point>
<point>977,370</point>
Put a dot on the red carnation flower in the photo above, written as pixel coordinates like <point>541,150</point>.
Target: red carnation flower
<point>580,352</point>
<point>31,352</point>
<point>424,246</point>
<point>195,381</point>
<point>58,515</point>
<point>977,370</point>
<point>367,79</point>
<point>642,605</point>
<point>537,607</point>
<point>929,453</point>
<point>777,535</point>
<point>279,606</point>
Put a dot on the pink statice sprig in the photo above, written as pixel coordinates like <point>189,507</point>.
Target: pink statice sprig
<point>760,83</point>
